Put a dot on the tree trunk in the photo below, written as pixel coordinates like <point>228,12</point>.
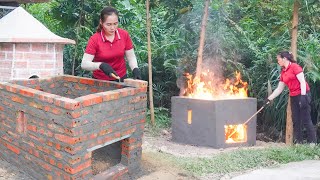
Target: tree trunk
<point>202,38</point>
<point>294,39</point>
<point>150,64</point>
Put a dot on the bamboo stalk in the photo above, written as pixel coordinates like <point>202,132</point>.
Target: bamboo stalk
<point>294,39</point>
<point>150,64</point>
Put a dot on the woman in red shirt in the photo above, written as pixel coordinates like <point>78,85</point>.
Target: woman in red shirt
<point>105,51</point>
<point>299,91</point>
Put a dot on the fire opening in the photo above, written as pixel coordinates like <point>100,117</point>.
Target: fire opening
<point>189,116</point>
<point>235,133</point>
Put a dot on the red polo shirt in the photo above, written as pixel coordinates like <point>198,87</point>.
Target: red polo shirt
<point>110,52</point>
<point>289,77</point>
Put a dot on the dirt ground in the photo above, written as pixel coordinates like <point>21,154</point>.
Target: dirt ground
<point>153,166</point>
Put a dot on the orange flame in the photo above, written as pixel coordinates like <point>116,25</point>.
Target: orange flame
<point>235,133</point>
<point>208,87</point>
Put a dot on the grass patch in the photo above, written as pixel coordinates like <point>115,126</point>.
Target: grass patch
<point>240,160</point>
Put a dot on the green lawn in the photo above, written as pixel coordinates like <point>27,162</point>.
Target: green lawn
<point>245,159</point>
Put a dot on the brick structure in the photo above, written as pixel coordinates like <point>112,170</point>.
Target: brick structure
<point>50,127</point>
<point>29,48</point>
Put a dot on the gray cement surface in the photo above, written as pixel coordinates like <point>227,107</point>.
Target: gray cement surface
<point>304,170</point>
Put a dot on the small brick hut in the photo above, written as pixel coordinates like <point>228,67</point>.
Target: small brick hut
<point>28,48</point>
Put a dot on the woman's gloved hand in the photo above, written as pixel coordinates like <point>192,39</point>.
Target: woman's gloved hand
<point>107,69</point>
<point>136,73</point>
<point>266,102</point>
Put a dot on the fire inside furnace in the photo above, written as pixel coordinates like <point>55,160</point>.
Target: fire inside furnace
<point>235,133</point>
<point>209,87</point>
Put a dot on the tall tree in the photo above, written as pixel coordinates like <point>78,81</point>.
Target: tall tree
<point>202,38</point>
<point>294,39</point>
<point>150,63</point>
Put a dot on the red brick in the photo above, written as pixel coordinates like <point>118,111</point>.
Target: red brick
<point>6,64</point>
<point>60,165</point>
<point>14,135</point>
<point>56,111</point>
<point>67,139</point>
<point>70,78</point>
<point>47,108</point>
<point>72,106</point>
<point>39,139</point>
<point>50,143</point>
<point>22,47</point>
<point>20,64</point>
<point>17,99</point>
<point>57,154</point>
<point>74,161</point>
<point>58,146</point>
<point>44,149</point>
<point>45,166</point>
<point>32,128</point>
<point>46,98</point>
<point>17,56</point>
<point>42,47</point>
<point>49,65</point>
<point>109,95</point>
<point>75,114</point>
<point>51,161</point>
<point>91,99</point>
<point>21,122</point>
<point>87,81</point>
<point>36,64</point>
<point>80,87</point>
<point>45,132</point>
<point>94,90</point>
<point>78,168</point>
<point>12,148</point>
<point>6,46</point>
<point>9,56</point>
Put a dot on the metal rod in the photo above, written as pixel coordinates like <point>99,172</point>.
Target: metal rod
<point>254,115</point>
<point>234,131</point>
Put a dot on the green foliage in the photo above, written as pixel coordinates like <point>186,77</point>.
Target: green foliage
<point>242,35</point>
<point>264,28</point>
<point>162,118</point>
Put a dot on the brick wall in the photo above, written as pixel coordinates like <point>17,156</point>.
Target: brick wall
<point>50,126</point>
<point>21,60</point>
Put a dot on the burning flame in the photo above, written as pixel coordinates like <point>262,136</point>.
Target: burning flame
<point>235,133</point>
<point>208,87</point>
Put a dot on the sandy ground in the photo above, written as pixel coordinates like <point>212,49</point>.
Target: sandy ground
<point>10,172</point>
<point>154,167</point>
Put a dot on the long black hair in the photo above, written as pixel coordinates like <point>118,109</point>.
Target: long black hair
<point>105,12</point>
<point>288,55</point>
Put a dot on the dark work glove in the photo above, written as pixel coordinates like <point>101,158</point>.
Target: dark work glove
<point>266,102</point>
<point>136,73</point>
<point>303,101</point>
<point>107,69</point>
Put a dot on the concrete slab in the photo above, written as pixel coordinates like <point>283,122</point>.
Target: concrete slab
<point>304,170</point>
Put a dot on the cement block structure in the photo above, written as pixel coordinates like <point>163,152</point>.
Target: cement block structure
<point>50,127</point>
<point>202,122</point>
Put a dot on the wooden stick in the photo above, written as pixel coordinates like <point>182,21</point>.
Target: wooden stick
<point>116,77</point>
<point>202,38</point>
